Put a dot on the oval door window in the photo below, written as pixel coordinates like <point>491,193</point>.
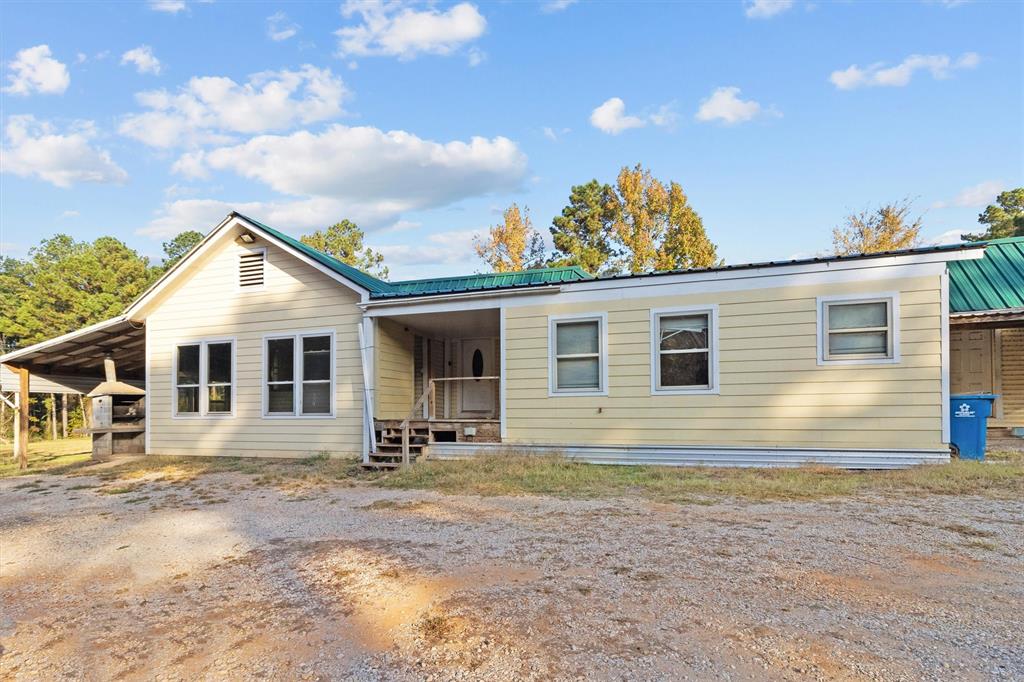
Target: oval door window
<point>478,363</point>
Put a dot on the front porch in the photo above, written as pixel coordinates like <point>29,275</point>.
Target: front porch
<point>438,380</point>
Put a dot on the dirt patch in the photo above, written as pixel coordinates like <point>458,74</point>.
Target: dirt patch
<point>221,577</point>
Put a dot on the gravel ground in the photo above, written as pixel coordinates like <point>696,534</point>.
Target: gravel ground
<point>224,577</point>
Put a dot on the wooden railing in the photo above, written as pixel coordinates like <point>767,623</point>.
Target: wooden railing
<point>430,396</point>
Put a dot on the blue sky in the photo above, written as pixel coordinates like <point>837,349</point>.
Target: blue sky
<point>423,121</point>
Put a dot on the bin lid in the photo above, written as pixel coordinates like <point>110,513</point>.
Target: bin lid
<point>974,396</point>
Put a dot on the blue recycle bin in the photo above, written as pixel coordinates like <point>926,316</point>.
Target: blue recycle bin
<point>969,413</point>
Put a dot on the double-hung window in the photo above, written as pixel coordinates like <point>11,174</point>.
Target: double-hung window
<point>684,352</point>
<point>204,378</point>
<point>578,361</point>
<point>298,375</point>
<point>858,330</point>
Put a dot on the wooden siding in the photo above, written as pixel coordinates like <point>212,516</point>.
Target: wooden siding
<point>1011,348</point>
<point>394,371</point>
<point>208,304</point>
<point>772,391</point>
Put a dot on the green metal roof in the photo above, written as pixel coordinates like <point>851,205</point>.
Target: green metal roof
<point>423,287</point>
<point>493,280</point>
<point>995,282</point>
<point>368,282</point>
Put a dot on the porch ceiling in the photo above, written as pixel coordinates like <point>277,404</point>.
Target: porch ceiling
<point>458,324</point>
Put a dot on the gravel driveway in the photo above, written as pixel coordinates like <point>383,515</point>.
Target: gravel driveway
<point>228,576</point>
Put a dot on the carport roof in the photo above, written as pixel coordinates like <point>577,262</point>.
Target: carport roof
<point>995,282</point>
<point>81,352</point>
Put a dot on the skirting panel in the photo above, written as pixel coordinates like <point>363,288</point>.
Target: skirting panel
<point>669,455</point>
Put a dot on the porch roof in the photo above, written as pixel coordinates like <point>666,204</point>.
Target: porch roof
<point>992,283</point>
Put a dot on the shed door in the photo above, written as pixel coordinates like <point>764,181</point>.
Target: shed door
<point>970,360</point>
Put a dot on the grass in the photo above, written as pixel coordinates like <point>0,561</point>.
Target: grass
<point>46,456</point>
<point>1001,476</point>
<point>496,475</point>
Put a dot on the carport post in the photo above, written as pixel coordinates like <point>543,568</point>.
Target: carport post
<point>21,449</point>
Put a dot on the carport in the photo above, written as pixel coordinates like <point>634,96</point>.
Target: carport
<point>72,363</point>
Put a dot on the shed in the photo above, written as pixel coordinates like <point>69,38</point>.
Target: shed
<point>986,305</point>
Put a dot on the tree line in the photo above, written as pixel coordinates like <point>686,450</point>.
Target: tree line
<point>638,224</point>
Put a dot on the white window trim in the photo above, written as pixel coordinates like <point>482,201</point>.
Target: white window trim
<point>204,390</point>
<point>297,377</point>
<point>245,251</point>
<point>711,310</point>
<point>891,297</point>
<point>602,337</point>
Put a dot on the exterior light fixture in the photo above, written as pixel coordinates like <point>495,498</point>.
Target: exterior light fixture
<point>247,237</point>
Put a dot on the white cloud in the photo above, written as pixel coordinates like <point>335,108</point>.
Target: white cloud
<point>209,109</point>
<point>202,214</point>
<point>764,9</point>
<point>725,105</point>
<point>280,28</point>
<point>976,196</point>
<point>946,238</point>
<point>168,6</point>
<point>143,59</point>
<point>68,214</point>
<point>35,70</point>
<point>611,117</point>
<point>441,248</point>
<point>877,74</point>
<point>552,6</point>
<point>397,30</point>
<point>35,149</point>
<point>369,173</point>
<point>665,116</point>
<point>476,56</point>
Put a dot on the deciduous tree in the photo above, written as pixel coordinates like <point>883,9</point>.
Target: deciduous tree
<point>512,244</point>
<point>643,203</point>
<point>344,241</point>
<point>1005,218</point>
<point>685,244</point>
<point>886,228</point>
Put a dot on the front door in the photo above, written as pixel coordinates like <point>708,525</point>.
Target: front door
<point>477,360</point>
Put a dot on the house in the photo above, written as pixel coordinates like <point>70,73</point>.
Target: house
<point>257,345</point>
<point>986,303</point>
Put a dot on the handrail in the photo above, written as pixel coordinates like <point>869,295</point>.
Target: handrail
<point>428,393</point>
<point>405,422</point>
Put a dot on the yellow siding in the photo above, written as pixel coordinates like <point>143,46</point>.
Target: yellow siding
<point>394,371</point>
<point>772,392</point>
<point>296,298</point>
<point>1011,346</point>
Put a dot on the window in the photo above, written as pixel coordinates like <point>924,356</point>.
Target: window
<point>188,379</point>
<point>250,269</point>
<point>299,377</point>
<point>578,355</point>
<point>858,330</point>
<point>684,353</point>
<point>204,378</point>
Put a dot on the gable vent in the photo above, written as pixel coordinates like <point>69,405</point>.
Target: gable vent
<point>250,269</point>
